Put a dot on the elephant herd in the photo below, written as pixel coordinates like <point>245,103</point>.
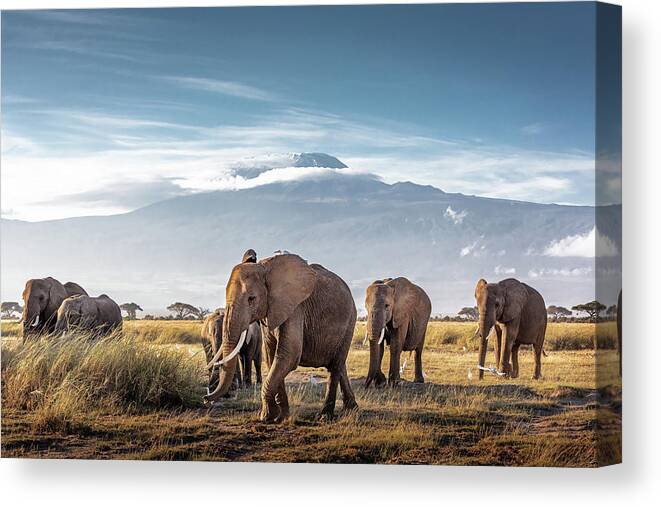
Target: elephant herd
<point>305,316</point>
<point>53,307</point>
<point>302,314</point>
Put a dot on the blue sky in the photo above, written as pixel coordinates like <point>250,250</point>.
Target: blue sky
<point>495,100</point>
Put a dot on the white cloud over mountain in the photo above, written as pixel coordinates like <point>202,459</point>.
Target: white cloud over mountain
<point>591,244</point>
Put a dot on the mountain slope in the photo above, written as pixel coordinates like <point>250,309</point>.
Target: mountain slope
<point>356,225</point>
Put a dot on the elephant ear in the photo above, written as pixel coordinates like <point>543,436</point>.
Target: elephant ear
<point>56,294</point>
<point>515,297</point>
<point>405,300</point>
<point>289,282</point>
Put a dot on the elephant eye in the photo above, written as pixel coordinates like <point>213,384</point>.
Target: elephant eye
<point>387,305</point>
<point>251,299</point>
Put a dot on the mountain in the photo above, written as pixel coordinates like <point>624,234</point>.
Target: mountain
<point>356,225</point>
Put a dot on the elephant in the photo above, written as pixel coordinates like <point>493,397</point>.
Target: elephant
<point>619,328</point>
<point>518,314</point>
<point>250,353</point>
<point>308,316</point>
<point>99,315</point>
<point>397,314</point>
<point>42,298</point>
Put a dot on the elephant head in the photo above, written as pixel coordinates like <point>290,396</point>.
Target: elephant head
<point>270,289</point>
<point>498,302</point>
<point>76,312</point>
<point>42,297</point>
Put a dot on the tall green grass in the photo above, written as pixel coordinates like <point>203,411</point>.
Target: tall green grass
<point>62,379</point>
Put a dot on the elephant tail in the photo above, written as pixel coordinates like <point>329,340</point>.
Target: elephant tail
<point>544,353</point>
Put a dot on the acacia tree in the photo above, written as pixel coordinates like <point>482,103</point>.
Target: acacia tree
<point>9,308</point>
<point>593,309</point>
<point>469,312</point>
<point>182,311</point>
<point>558,311</point>
<point>130,309</point>
<point>202,312</point>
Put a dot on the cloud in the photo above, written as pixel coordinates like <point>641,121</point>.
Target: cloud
<point>533,128</point>
<point>589,244</point>
<point>231,88</point>
<point>562,272</point>
<point>501,270</point>
<point>456,217</point>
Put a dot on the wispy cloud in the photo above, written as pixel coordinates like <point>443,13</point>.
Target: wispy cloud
<point>86,150</point>
<point>533,129</point>
<point>231,88</point>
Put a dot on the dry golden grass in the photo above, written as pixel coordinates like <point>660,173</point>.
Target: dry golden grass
<point>559,335</point>
<point>128,398</point>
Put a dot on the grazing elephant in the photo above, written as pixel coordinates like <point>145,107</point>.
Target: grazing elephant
<point>250,353</point>
<point>42,297</point>
<point>619,328</point>
<point>99,315</point>
<point>518,313</point>
<point>397,314</point>
<point>308,314</point>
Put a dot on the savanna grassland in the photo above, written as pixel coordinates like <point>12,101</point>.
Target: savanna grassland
<point>139,396</point>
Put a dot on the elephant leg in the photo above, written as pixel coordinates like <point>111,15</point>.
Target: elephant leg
<point>482,356</point>
<point>497,343</point>
<point>328,410</point>
<point>247,370</point>
<point>539,348</point>
<point>282,400</point>
<point>419,377</point>
<point>515,360</point>
<point>509,337</point>
<point>380,377</point>
<point>348,397</point>
<point>288,348</point>
<point>258,365</point>
<point>395,353</point>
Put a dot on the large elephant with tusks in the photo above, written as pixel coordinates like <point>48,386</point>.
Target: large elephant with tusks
<point>42,298</point>
<point>308,314</point>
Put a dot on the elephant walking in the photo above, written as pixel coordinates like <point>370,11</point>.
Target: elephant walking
<point>397,314</point>
<point>518,313</point>
<point>250,353</point>
<point>100,315</point>
<point>42,298</point>
<point>309,316</point>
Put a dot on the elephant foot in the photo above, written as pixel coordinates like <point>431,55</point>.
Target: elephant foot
<point>350,405</point>
<point>536,377</point>
<point>269,414</point>
<point>419,380</point>
<point>326,415</point>
<point>392,382</point>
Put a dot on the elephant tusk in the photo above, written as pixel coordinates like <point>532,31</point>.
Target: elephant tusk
<point>383,333</point>
<point>235,351</point>
<point>366,337</point>
<point>36,322</point>
<point>477,330</point>
<point>492,370</point>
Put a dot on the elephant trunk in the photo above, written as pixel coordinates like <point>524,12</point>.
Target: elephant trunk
<point>234,334</point>
<point>376,325</point>
<point>31,317</point>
